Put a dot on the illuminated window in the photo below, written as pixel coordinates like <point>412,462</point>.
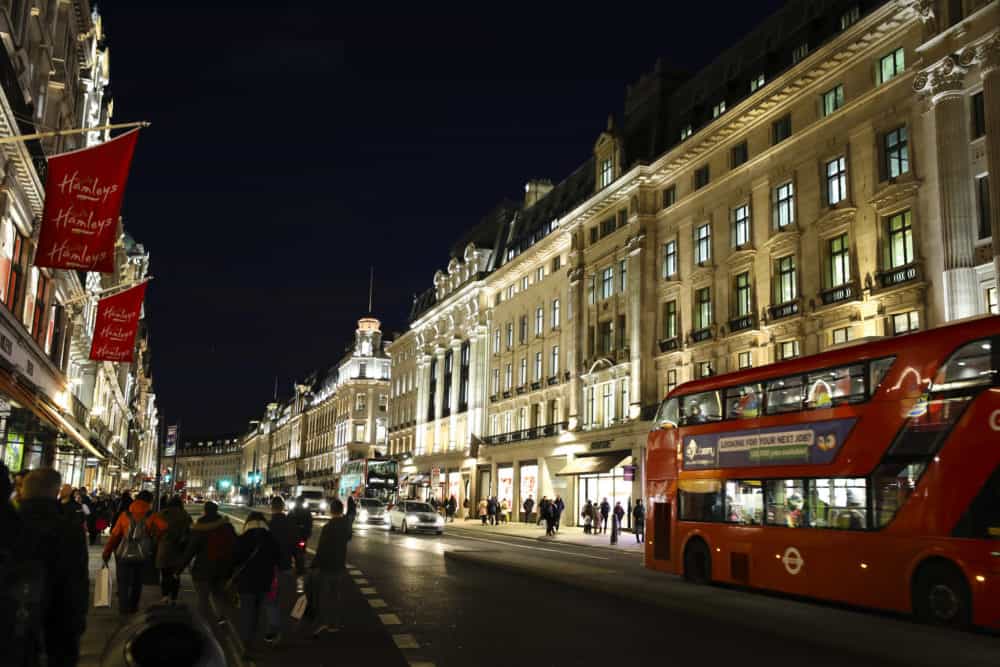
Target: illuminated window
<point>836,180</point>
<point>538,366</point>
<point>891,65</point>
<point>743,294</point>
<point>745,359</point>
<point>703,243</point>
<point>523,376</point>
<point>992,305</point>
<point>554,361</point>
<point>539,321</point>
<point>703,369</point>
<point>669,320</point>
<point>905,322</point>
<point>555,313</point>
<point>841,335</point>
<point>686,131</point>
<point>896,152</point>
<point>622,276</point>
<point>495,384</point>
<point>524,283</point>
<point>757,82</point>
<point>508,378</point>
<point>840,261</point>
<point>785,288</point>
<point>741,225</point>
<point>784,205</point>
<point>607,282</point>
<point>703,308</point>
<point>719,109</point>
<point>833,99</point>
<point>788,349</point>
<point>670,259</point>
<point>607,172</point>
<point>671,380</point>
<point>900,246</point>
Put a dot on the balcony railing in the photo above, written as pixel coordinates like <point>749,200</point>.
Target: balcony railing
<point>669,344</point>
<point>544,431</point>
<point>742,323</point>
<point>846,292</point>
<point>507,394</point>
<point>494,398</point>
<point>522,389</point>
<point>783,310</point>
<point>898,275</point>
<point>553,380</point>
<point>536,385</point>
<point>80,411</point>
<point>700,335</point>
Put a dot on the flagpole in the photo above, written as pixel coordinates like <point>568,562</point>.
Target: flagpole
<point>117,289</point>
<point>76,130</point>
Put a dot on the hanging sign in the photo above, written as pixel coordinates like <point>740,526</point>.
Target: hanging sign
<point>83,199</point>
<point>117,323</point>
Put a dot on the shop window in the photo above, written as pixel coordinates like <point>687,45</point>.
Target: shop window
<point>786,502</point>
<point>838,503</point>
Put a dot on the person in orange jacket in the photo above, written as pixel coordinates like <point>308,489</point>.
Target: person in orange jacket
<point>130,564</point>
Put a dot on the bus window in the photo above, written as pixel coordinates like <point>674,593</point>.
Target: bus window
<point>784,395</point>
<point>667,415</point>
<point>785,502</point>
<point>838,503</point>
<point>877,371</point>
<point>743,402</point>
<point>701,408</point>
<point>982,519</point>
<point>700,500</point>
<point>970,366</point>
<point>744,502</point>
<point>893,484</point>
<point>836,386</point>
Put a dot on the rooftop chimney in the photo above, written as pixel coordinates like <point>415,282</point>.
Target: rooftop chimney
<point>535,190</point>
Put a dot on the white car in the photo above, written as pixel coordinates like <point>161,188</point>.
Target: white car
<point>414,516</point>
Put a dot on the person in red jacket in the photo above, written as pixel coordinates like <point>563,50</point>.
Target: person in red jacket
<point>129,570</point>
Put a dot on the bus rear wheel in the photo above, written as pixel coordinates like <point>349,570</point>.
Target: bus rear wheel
<point>941,596</point>
<point>697,562</point>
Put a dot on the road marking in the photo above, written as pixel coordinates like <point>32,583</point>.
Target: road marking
<point>405,641</point>
<point>361,582</point>
<point>355,573</point>
<point>369,590</point>
<point>389,619</point>
<point>376,603</point>
<point>421,664</point>
<point>533,548</point>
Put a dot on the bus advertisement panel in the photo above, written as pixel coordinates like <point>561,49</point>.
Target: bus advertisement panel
<point>868,475</point>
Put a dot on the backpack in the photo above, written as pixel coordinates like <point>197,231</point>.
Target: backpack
<point>220,543</point>
<point>137,544</point>
<point>22,598</point>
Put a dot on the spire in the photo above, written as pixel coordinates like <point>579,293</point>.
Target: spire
<point>371,289</point>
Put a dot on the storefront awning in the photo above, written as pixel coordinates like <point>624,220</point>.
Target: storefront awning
<point>596,464</point>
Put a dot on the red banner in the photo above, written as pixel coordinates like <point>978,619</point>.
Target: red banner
<point>117,322</point>
<point>83,199</point>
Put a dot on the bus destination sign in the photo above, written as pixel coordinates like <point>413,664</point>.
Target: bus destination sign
<point>814,443</point>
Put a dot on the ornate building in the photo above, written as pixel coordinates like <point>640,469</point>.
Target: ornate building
<point>210,466</point>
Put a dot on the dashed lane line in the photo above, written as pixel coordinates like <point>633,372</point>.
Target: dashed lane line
<point>361,582</point>
<point>368,590</point>
<point>421,664</point>
<point>389,619</point>
<point>376,603</point>
<point>532,548</point>
<point>405,641</point>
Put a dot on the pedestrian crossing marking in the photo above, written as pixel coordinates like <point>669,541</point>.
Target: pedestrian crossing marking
<point>369,590</point>
<point>405,641</point>
<point>361,582</point>
<point>376,603</point>
<point>389,619</point>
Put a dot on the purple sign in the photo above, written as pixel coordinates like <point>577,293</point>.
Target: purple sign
<point>628,473</point>
<point>794,444</point>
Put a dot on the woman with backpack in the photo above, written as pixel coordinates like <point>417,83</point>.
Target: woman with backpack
<point>174,525</point>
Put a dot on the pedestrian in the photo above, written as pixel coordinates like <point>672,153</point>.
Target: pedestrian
<point>15,500</point>
<point>328,568</point>
<point>255,561</point>
<point>121,506</point>
<point>284,534</point>
<point>465,508</point>
<point>131,542</point>
<point>616,523</point>
<point>543,506</point>
<point>605,512</point>
<point>597,517</point>
<point>302,519</point>
<point>70,506</point>
<point>557,514</point>
<point>452,508</point>
<point>352,509</point>
<point>505,510</point>
<point>529,505</point>
<point>211,549</point>
<point>547,510</point>
<point>639,520</point>
<point>90,503</point>
<point>173,531</point>
<point>491,510</point>
<point>588,518</point>
<point>45,623</point>
<point>483,506</point>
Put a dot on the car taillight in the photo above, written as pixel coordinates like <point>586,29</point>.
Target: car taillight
<point>302,544</point>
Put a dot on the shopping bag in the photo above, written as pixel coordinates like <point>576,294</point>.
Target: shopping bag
<point>102,588</point>
<point>299,608</point>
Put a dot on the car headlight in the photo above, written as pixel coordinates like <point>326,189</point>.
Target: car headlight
<point>412,518</point>
<point>439,521</point>
<point>322,504</point>
<point>385,518</point>
<point>363,515</point>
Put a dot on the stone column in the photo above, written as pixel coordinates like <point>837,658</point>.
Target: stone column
<point>989,56</point>
<point>423,375</point>
<point>958,226</point>
<point>438,396</point>
<point>456,385</point>
<point>478,382</point>
<point>575,344</point>
<point>636,340</point>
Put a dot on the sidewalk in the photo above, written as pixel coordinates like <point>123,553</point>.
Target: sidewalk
<point>567,534</point>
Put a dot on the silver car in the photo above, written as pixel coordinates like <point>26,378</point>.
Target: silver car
<point>412,515</point>
<point>372,512</point>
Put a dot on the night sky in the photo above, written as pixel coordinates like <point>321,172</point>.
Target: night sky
<point>294,145</point>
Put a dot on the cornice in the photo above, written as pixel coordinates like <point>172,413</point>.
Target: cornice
<point>895,196</point>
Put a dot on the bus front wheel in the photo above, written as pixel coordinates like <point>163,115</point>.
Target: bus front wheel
<point>697,562</point>
<point>941,595</point>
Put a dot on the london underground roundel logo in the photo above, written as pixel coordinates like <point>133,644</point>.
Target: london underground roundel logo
<point>995,420</point>
<point>793,560</point>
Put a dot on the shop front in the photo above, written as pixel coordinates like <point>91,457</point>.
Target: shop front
<point>608,475</point>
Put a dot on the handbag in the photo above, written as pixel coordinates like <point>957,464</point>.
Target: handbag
<point>299,608</point>
<point>102,588</point>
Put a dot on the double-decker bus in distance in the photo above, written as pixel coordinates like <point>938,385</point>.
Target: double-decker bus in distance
<point>868,475</point>
<point>370,478</point>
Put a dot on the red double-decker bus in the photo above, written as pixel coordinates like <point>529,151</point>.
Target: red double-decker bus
<point>868,475</point>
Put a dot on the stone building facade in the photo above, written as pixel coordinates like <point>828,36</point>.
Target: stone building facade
<point>210,466</point>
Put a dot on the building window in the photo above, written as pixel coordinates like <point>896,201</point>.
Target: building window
<point>556,263</point>
<point>538,366</point>
<point>703,308</point>
<point>757,82</point>
<point>891,65</point>
<point>669,320</point>
<point>508,379</point>
<point>900,246</point>
<point>522,330</point>
<point>897,153</point>
<point>670,259</point>
<point>555,313</point>
<point>781,129</point>
<point>14,296</point>
<point>607,172</point>
<point>620,330</point>
<point>701,177</point>
<point>833,99</point>
<point>741,225</point>
<point>703,243</point>
<point>788,349</point>
<point>607,226</point>
<point>607,282</point>
<point>591,291</point>
<point>539,274</point>
<point>523,375</point>
<point>686,131</point>
<point>992,305</point>
<point>840,261</point>
<point>850,17</point>
<point>978,116</point>
<point>784,205</point>
<point>785,288</point>
<point>836,180</point>
<point>496,341</point>
<point>743,294</point>
<point>524,283</point>
<point>669,196</point>
<point>703,369</point>
<point>359,433</point>
<point>983,197</point>
<point>671,380</point>
<point>495,383</point>
<point>800,52</point>
<point>510,292</point>
<point>606,339</point>
<point>905,323</point>
<point>539,321</point>
<point>554,361</point>
<point>719,109</point>
<point>841,335</point>
<point>744,360</point>
<point>622,275</point>
<point>738,154</point>
<point>593,235</point>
